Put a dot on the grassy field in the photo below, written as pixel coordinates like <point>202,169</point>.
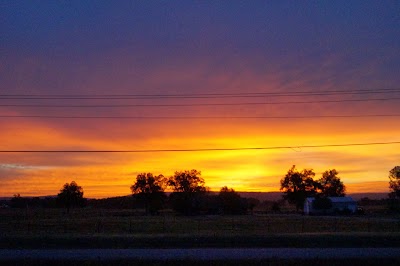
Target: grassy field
<point>92,221</point>
<point>91,228</point>
<point>271,262</point>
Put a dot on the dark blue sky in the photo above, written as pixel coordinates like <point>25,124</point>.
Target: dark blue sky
<point>265,37</point>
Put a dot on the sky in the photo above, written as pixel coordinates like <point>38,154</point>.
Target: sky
<point>189,75</point>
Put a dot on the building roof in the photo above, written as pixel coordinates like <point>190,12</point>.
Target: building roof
<point>334,199</point>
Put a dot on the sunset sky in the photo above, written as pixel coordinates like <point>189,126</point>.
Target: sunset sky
<point>189,75</point>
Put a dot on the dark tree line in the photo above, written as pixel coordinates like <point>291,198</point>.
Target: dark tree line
<point>70,196</point>
<point>394,182</point>
<point>32,202</point>
<point>394,186</point>
<point>189,195</point>
<point>298,185</point>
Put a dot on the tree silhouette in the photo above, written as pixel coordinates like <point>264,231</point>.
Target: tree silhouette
<point>188,187</point>
<point>297,186</point>
<point>394,181</point>
<point>149,190</point>
<point>231,202</point>
<point>330,184</point>
<point>187,181</point>
<point>71,195</point>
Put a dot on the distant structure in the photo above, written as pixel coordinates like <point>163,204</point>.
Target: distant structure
<point>339,205</point>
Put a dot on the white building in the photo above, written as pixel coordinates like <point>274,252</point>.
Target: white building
<point>339,205</point>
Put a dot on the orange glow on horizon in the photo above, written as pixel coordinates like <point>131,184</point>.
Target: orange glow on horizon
<point>362,169</point>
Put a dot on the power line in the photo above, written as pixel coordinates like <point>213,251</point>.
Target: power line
<point>199,104</point>
<point>202,150</point>
<point>196,95</point>
<point>199,117</point>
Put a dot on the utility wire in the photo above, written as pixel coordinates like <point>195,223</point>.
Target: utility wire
<point>198,117</point>
<point>198,104</point>
<point>202,150</point>
<point>196,95</point>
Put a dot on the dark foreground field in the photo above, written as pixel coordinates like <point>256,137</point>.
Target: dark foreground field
<point>194,262</point>
<point>91,228</point>
<point>130,222</point>
<point>127,229</point>
<point>272,262</point>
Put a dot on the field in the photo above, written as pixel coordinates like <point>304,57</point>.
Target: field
<point>94,228</point>
<point>84,228</point>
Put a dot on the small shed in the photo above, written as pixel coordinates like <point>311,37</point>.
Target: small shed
<point>344,205</point>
